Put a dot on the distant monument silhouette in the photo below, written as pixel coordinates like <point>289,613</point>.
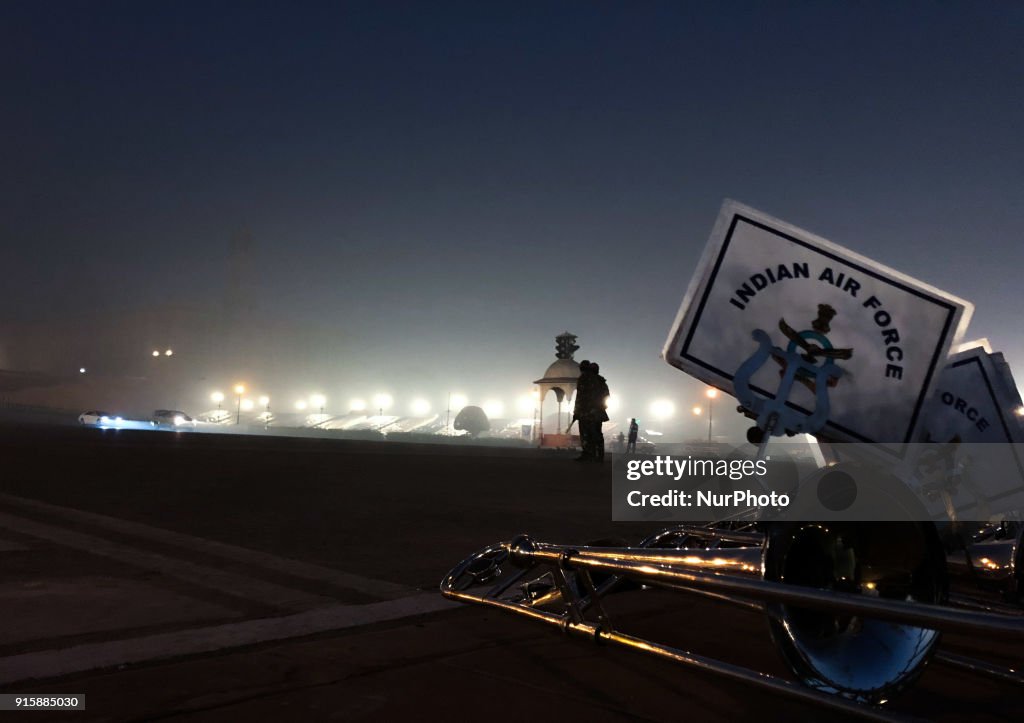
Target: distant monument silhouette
<point>560,378</point>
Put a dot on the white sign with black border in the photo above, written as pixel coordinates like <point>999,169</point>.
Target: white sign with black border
<point>889,333</point>
<point>974,413</point>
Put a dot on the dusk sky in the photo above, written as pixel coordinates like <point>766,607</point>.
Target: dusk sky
<point>442,184</point>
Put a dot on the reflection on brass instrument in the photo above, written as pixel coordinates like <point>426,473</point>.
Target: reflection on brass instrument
<point>990,555</point>
<point>855,609</point>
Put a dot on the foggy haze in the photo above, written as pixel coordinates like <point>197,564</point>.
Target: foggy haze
<point>416,198</point>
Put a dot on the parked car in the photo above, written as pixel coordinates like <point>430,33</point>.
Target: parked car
<point>172,419</point>
<point>97,418</point>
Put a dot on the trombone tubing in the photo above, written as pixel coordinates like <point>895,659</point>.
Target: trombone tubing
<point>745,537</point>
<point>598,634</point>
<point>676,574</point>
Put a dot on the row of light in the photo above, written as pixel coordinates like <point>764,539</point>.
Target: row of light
<point>245,405</point>
<point>663,409</point>
<point>493,408</point>
<point>659,409</point>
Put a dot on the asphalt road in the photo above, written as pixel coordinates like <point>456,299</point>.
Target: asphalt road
<point>215,577</point>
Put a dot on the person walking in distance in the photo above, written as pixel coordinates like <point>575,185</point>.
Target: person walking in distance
<point>634,429</point>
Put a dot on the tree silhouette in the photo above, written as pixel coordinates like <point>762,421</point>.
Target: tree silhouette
<point>473,420</point>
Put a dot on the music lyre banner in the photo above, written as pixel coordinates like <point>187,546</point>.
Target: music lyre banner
<point>855,342</point>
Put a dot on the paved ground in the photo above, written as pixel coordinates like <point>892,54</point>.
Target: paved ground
<point>223,578</point>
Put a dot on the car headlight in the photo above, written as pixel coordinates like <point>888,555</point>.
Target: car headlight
<point>179,420</point>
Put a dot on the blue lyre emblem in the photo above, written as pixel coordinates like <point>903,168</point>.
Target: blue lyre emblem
<point>799,363</point>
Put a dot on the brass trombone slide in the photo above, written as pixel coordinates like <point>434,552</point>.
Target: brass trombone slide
<point>874,602</point>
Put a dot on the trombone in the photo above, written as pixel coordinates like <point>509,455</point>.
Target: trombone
<point>855,609</point>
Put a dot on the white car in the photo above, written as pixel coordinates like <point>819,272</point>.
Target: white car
<point>96,418</point>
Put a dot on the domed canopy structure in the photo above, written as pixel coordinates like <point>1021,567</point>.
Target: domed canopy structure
<point>561,371</point>
<point>561,375</point>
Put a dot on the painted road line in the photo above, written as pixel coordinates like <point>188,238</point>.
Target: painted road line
<point>162,646</point>
<point>237,585</point>
<point>295,568</point>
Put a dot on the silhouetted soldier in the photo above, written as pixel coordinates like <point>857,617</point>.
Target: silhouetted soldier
<point>634,429</point>
<point>579,403</point>
<point>594,412</point>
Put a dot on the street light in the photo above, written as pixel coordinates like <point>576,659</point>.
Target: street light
<point>494,408</point>
<point>81,370</point>
<point>265,403</point>
<point>697,411</point>
<point>247,405</point>
<point>711,394</point>
<point>239,391</point>
<point>301,405</point>
<point>662,409</point>
<point>420,407</point>
<point>536,422</point>
<point>217,397</point>
<point>318,400</point>
<point>357,405</point>
<point>167,374</point>
<point>382,402</point>
<point>456,401</point>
